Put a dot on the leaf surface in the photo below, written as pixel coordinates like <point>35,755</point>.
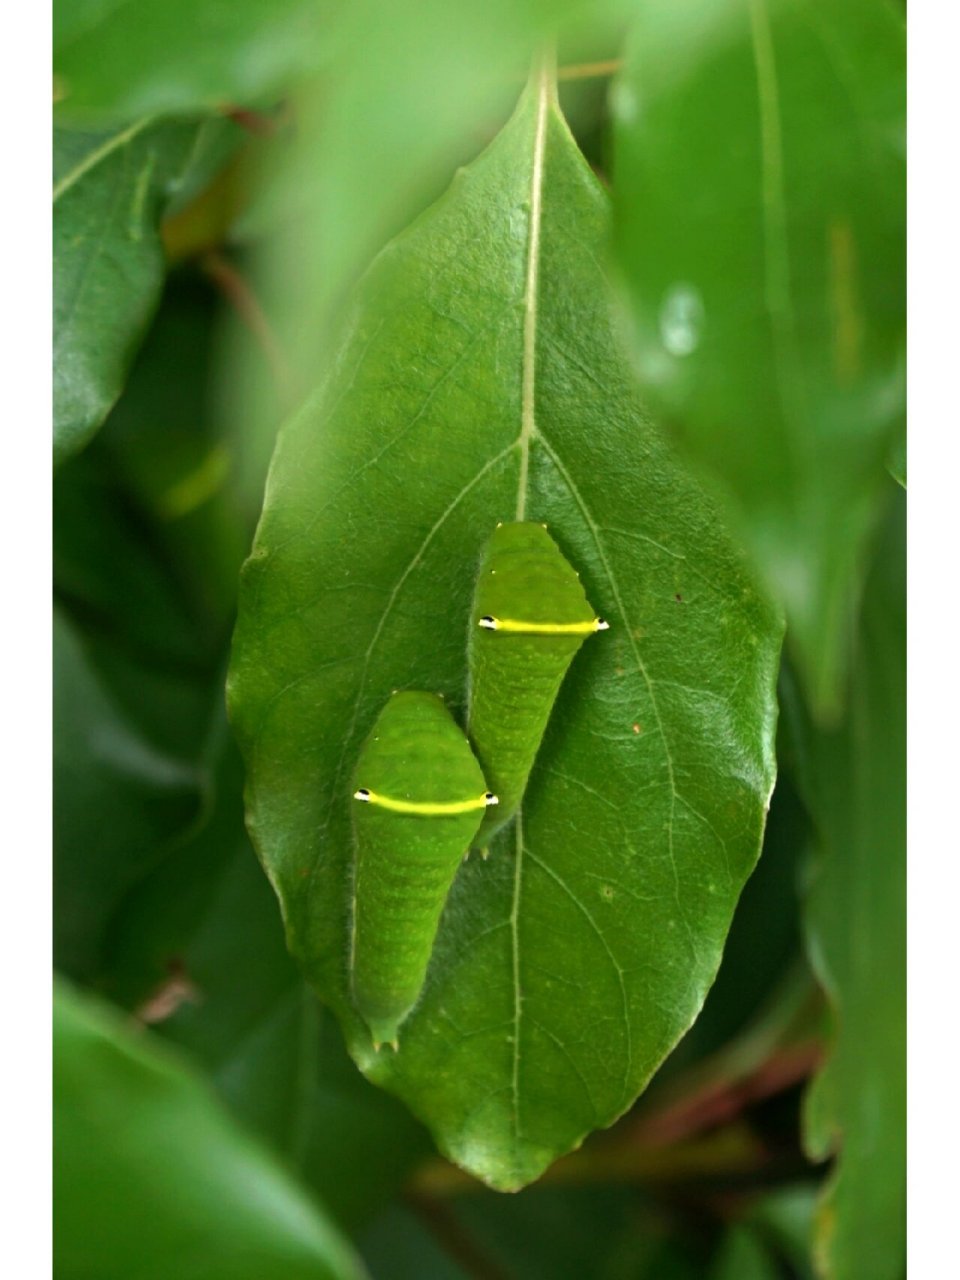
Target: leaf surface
<point>479,380</point>
<point>154,1180</point>
<point>109,193</point>
<point>760,210</point>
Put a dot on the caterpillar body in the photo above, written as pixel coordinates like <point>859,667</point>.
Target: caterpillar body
<point>418,801</point>
<point>530,616</point>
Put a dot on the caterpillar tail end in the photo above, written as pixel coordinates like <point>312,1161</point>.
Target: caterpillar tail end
<point>384,1032</point>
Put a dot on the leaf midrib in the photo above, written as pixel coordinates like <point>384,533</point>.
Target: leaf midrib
<point>545,92</point>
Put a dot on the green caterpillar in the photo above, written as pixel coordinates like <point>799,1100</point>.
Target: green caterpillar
<point>420,797</point>
<point>530,616</point>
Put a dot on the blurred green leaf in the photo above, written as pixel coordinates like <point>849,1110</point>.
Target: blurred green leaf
<point>168,450</point>
<point>784,1218</point>
<point>116,61</point>
<point>412,89</point>
<point>743,1256</point>
<point>760,206</point>
<point>855,780</point>
<point>543,1233</point>
<point>588,54</point>
<point>119,802</point>
<point>202,932</point>
<point>155,925</point>
<point>109,572</point>
<point>564,1233</point>
<point>149,535</point>
<point>398,1246</point>
<point>110,191</point>
<point>140,636</point>
<point>153,1180</point>
<point>568,964</point>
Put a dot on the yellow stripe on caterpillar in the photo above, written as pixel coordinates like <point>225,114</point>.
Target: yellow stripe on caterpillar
<point>516,627</point>
<point>425,808</point>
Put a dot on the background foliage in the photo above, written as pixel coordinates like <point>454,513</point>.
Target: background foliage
<point>223,174</point>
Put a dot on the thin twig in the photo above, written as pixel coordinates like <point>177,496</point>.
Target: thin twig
<point>590,70</point>
<point>256,122</point>
<point>733,1151</point>
<point>241,297</point>
<point>720,1101</point>
<point>163,1002</point>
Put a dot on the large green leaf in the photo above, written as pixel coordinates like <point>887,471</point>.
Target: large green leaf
<point>152,1178</point>
<point>760,206</point>
<point>856,782</point>
<point>110,191</point>
<point>480,380</point>
<point>119,60</point>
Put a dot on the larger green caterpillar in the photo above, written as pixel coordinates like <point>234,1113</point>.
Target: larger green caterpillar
<point>420,796</point>
<point>530,616</point>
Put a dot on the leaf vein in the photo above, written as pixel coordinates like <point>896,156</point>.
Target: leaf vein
<point>98,155</point>
<point>391,444</point>
<point>595,533</point>
<point>530,299</point>
<point>627,1028</point>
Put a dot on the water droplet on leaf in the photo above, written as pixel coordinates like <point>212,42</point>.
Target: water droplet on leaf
<point>681,319</point>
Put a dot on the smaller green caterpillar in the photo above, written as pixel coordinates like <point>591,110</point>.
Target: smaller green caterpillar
<point>530,616</point>
<point>421,797</point>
